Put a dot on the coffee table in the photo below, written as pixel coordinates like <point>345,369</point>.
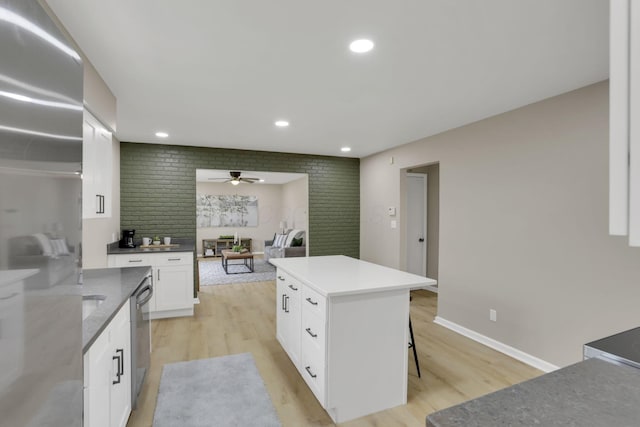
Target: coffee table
<point>247,257</point>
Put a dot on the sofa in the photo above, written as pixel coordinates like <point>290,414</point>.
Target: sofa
<point>291,243</point>
<point>54,259</point>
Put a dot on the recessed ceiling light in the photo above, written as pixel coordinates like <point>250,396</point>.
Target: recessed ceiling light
<point>345,149</point>
<point>361,46</point>
<point>262,180</point>
<point>282,123</point>
<point>162,135</point>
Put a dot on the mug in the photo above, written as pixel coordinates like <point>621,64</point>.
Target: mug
<point>146,241</point>
<point>167,240</point>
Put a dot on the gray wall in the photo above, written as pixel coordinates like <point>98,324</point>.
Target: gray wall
<point>158,190</point>
<point>523,225</point>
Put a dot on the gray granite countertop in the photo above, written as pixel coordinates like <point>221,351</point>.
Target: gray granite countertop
<point>183,245</point>
<point>590,393</point>
<point>117,284</point>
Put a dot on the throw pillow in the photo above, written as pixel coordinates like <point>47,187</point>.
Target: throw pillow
<point>279,240</point>
<point>292,234</point>
<point>296,242</point>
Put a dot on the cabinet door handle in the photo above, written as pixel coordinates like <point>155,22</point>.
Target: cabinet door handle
<point>310,301</point>
<point>174,259</point>
<point>135,260</point>
<point>117,373</point>
<point>283,305</point>
<point>293,288</point>
<point>121,367</point>
<point>286,305</point>
<point>158,275</point>
<point>280,278</point>
<point>308,369</point>
<point>311,333</point>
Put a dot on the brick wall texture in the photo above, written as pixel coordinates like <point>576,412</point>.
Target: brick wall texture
<point>158,190</point>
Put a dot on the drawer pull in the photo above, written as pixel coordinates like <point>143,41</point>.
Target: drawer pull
<point>311,333</point>
<point>280,278</point>
<point>175,259</point>
<point>293,288</point>
<point>135,260</point>
<point>308,369</point>
<point>310,301</point>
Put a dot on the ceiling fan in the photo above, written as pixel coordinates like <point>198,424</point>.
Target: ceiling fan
<point>236,179</point>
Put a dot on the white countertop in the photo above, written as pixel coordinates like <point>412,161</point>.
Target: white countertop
<point>341,275</point>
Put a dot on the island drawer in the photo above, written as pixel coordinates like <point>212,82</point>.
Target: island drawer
<point>314,302</point>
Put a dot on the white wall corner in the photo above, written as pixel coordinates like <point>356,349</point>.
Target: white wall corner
<point>497,345</point>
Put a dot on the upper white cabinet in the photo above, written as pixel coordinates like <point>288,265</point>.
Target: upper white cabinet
<point>624,120</point>
<point>97,156</point>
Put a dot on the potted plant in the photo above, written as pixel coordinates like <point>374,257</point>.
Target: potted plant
<point>156,240</point>
<point>237,248</point>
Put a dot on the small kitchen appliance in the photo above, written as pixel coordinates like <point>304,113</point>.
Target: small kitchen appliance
<point>127,239</point>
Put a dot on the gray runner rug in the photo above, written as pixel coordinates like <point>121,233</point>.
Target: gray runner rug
<point>212,273</point>
<point>222,391</point>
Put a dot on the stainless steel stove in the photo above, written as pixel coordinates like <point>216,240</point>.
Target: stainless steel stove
<point>622,348</point>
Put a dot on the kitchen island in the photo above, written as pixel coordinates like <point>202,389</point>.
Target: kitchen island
<point>344,323</point>
<point>592,393</point>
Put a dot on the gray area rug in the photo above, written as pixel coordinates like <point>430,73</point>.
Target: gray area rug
<point>222,391</point>
<point>212,273</point>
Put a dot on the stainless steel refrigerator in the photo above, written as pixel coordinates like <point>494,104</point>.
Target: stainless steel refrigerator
<point>41,80</point>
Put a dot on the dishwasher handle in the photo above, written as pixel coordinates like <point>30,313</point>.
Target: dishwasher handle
<point>140,301</point>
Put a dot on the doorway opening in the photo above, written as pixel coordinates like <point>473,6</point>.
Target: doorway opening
<point>423,221</point>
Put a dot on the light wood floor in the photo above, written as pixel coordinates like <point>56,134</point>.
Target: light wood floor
<point>240,318</point>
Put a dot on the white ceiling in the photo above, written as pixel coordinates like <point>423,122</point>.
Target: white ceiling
<point>218,176</point>
<point>219,73</point>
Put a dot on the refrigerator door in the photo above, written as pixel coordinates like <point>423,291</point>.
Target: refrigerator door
<point>41,80</point>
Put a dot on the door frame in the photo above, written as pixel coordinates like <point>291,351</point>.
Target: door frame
<point>425,178</point>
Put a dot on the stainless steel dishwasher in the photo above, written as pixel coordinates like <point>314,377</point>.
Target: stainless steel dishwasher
<point>140,336</point>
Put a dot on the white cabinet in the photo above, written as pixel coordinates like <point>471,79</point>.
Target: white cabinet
<point>172,281</point>
<point>107,374</point>
<point>288,314</point>
<point>351,348</point>
<point>624,120</point>
<point>96,169</point>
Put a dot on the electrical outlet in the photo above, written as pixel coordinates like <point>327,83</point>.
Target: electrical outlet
<point>493,315</point>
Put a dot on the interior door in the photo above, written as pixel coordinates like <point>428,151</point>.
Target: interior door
<point>417,223</point>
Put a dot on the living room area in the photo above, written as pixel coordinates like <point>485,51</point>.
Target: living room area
<point>244,218</point>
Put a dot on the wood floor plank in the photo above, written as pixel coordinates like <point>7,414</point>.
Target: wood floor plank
<point>240,318</point>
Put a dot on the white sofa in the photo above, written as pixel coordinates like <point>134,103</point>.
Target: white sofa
<point>280,247</point>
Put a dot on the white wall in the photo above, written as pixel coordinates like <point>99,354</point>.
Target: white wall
<point>269,212</point>
<point>295,203</point>
<point>523,226</point>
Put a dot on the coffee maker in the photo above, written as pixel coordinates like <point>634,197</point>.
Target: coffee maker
<point>127,239</point>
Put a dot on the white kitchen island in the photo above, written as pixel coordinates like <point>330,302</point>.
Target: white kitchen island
<point>345,325</point>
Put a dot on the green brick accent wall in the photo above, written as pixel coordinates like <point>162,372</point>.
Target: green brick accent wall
<point>158,190</point>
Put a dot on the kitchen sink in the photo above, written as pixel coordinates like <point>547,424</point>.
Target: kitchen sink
<point>90,303</point>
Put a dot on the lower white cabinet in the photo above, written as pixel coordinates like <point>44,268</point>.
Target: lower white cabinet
<point>172,281</point>
<point>350,348</point>
<point>288,314</point>
<point>107,374</point>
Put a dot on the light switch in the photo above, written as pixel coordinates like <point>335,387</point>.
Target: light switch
<point>392,211</point>
<point>394,223</point>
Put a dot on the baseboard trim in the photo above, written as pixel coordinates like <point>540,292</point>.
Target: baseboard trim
<point>497,345</point>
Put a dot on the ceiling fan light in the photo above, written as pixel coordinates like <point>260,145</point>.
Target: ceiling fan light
<point>234,182</point>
